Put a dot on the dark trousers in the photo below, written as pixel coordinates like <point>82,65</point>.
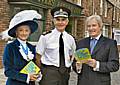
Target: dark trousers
<point>32,83</point>
<point>54,76</point>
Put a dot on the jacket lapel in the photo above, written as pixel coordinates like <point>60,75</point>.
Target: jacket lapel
<point>88,43</point>
<point>99,44</point>
<point>29,46</point>
<point>17,44</point>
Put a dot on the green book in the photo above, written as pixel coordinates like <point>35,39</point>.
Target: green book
<point>82,54</point>
<point>31,67</point>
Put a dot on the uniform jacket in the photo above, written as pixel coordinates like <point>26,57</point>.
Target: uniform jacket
<point>106,53</point>
<point>14,62</point>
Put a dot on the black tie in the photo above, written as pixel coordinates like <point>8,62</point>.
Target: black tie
<point>61,51</point>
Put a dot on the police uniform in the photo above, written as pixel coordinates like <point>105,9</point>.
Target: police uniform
<point>48,48</point>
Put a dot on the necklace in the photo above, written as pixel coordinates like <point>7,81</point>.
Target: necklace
<point>25,50</point>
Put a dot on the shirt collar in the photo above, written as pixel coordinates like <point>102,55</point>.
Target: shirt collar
<point>21,41</point>
<point>58,32</point>
<point>97,37</point>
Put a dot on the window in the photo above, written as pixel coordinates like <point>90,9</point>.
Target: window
<point>105,9</point>
<point>114,14</point>
<point>101,7</point>
<point>117,16</point>
<point>105,30</point>
<point>86,34</point>
<point>117,36</point>
<point>79,2</point>
<point>93,4</point>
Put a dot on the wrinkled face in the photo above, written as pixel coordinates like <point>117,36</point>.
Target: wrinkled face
<point>93,28</point>
<point>23,32</point>
<point>60,23</point>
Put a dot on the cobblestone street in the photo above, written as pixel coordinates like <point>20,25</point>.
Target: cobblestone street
<point>73,78</point>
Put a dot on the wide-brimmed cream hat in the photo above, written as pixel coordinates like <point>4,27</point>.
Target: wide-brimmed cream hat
<point>26,17</point>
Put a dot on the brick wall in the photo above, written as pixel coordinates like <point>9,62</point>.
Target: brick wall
<point>2,45</point>
<point>48,21</point>
<point>4,15</point>
<point>87,4</point>
<point>4,21</point>
<point>81,28</point>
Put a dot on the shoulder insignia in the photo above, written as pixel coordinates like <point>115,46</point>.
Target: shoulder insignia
<point>47,32</point>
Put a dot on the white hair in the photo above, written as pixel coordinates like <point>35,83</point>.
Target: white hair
<point>97,18</point>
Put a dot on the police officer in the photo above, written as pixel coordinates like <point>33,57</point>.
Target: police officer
<point>56,48</point>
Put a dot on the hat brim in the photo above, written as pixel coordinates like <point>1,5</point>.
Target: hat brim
<point>58,8</point>
<point>32,24</point>
<point>60,16</point>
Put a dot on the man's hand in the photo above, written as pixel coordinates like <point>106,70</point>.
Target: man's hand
<point>91,62</point>
<point>38,60</point>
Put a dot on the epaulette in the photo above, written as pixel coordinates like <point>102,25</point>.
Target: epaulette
<point>47,32</point>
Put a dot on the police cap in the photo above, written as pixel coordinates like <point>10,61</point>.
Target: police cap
<point>60,12</point>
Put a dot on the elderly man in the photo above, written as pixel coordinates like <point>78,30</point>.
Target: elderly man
<point>104,53</point>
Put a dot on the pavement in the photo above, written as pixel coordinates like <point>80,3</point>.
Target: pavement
<point>115,76</point>
<point>2,77</point>
<point>73,78</point>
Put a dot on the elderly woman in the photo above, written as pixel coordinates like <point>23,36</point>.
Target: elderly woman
<point>19,53</point>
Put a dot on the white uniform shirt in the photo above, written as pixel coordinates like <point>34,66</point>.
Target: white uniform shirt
<point>48,47</point>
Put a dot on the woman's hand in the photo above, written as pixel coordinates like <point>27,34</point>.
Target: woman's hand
<point>33,77</point>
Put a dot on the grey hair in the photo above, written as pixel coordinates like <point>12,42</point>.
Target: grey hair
<point>97,18</point>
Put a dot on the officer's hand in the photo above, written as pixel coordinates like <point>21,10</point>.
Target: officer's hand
<point>78,67</point>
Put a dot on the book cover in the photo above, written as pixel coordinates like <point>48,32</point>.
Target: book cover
<point>31,67</point>
<point>82,54</point>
